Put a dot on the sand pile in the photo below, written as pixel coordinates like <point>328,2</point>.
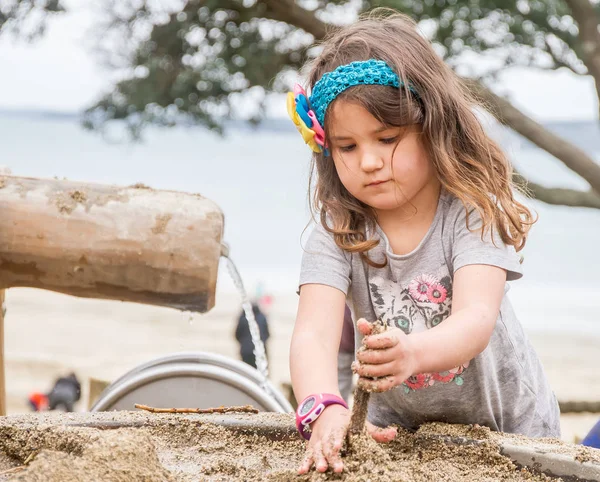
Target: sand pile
<point>126,446</point>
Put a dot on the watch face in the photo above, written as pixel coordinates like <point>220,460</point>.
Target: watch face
<point>307,406</point>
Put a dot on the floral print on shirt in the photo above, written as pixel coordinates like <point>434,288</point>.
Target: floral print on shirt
<point>423,304</point>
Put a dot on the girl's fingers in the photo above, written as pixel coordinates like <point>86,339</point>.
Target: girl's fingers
<point>382,435</point>
<point>380,385</point>
<point>306,463</point>
<point>324,456</point>
<point>375,356</point>
<point>319,458</point>
<point>371,371</point>
<point>381,341</point>
<point>332,451</point>
<point>364,327</point>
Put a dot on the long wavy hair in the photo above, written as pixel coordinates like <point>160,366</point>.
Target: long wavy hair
<point>469,164</point>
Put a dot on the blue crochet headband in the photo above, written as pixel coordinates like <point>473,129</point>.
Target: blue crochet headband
<point>309,114</point>
<point>332,84</point>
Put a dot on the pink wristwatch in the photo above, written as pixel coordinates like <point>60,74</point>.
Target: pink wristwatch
<point>310,409</point>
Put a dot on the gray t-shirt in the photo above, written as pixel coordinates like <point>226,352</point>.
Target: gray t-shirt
<point>503,388</point>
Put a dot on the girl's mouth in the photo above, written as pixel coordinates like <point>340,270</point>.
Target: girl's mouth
<point>376,183</point>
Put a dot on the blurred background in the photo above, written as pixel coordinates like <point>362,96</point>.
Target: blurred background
<point>189,95</point>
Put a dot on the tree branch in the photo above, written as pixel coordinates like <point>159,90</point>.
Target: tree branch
<point>573,157</point>
<point>588,22</point>
<point>289,12</point>
<point>557,58</point>
<point>556,195</point>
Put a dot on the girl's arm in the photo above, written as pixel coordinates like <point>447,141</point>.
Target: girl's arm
<point>477,294</point>
<point>316,339</point>
<point>394,356</point>
<point>313,364</point>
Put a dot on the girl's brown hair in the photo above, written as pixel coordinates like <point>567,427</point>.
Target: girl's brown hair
<point>468,163</point>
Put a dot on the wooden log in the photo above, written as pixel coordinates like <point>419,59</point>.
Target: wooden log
<point>123,243</point>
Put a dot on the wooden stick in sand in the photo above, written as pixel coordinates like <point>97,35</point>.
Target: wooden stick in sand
<point>242,409</point>
<point>21,468</point>
<point>14,470</point>
<point>361,397</point>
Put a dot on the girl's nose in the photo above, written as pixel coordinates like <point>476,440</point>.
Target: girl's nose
<point>371,161</point>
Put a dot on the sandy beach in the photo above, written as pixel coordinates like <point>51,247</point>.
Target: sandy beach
<point>49,334</point>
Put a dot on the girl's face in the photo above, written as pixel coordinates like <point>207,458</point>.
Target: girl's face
<point>384,167</point>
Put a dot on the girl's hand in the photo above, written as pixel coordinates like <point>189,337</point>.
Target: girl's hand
<point>389,357</point>
<point>327,439</point>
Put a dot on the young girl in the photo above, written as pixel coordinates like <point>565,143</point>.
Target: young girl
<point>418,228</point>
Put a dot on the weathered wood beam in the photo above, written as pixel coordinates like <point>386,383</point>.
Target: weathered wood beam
<point>96,241</point>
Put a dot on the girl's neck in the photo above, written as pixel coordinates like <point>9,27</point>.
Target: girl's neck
<point>406,226</point>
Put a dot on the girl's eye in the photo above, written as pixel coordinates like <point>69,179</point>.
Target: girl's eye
<point>347,148</point>
<point>389,140</point>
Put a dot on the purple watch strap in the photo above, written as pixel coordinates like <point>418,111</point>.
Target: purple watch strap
<point>312,407</point>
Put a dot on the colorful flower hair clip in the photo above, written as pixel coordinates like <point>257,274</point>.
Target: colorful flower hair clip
<point>309,113</point>
<point>304,118</point>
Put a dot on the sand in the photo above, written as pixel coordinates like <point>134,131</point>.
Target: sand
<point>49,334</point>
<point>125,446</point>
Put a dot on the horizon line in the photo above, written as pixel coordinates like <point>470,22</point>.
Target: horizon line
<point>42,112</point>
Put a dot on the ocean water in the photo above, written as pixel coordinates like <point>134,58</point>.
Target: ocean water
<point>259,178</point>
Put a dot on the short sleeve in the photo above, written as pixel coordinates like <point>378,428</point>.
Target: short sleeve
<point>323,262</point>
<point>469,248</point>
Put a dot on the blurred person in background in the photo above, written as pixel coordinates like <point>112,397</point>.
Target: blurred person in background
<point>63,396</point>
<point>38,401</point>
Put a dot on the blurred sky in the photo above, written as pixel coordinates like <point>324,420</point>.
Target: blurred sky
<point>60,72</point>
